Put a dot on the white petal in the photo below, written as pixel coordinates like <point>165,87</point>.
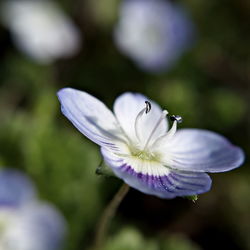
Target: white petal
<point>91,117</point>
<point>155,179</point>
<point>201,150</point>
<point>39,27</point>
<point>126,108</point>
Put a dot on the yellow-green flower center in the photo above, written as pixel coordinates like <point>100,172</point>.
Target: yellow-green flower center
<point>145,155</point>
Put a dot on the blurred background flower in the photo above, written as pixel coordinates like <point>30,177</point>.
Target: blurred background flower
<point>154,33</point>
<point>26,223</point>
<point>40,29</point>
<point>208,86</point>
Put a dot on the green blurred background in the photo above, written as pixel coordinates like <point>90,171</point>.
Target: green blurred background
<point>208,87</point>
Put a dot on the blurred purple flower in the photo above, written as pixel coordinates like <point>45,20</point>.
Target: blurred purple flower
<point>15,188</point>
<point>40,29</point>
<point>26,223</point>
<point>154,33</point>
<point>140,149</point>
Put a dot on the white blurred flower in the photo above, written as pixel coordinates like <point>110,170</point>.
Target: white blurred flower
<point>40,29</point>
<point>154,33</point>
<point>27,224</point>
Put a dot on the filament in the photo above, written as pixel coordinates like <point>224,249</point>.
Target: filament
<point>162,117</point>
<point>145,110</point>
<point>167,136</point>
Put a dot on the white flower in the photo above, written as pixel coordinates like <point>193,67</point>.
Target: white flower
<point>154,33</point>
<point>140,149</point>
<point>25,222</point>
<point>40,29</point>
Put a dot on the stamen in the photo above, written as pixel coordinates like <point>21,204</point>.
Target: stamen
<point>164,113</point>
<point>163,139</point>
<point>171,131</point>
<point>138,117</point>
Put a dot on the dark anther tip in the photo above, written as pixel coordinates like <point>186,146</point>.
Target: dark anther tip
<point>176,118</point>
<point>148,106</point>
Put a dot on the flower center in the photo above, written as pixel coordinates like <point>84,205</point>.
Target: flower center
<point>145,155</point>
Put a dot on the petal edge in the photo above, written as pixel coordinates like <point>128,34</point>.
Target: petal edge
<point>203,151</point>
<point>90,116</point>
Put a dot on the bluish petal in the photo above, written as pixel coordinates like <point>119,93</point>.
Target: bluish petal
<point>36,226</point>
<point>15,188</point>
<point>154,33</point>
<point>155,179</point>
<point>126,108</point>
<point>91,117</point>
<point>203,151</point>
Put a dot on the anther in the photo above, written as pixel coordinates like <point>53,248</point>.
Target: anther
<point>176,118</point>
<point>148,106</point>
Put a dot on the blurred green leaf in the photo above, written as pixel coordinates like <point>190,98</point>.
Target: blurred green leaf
<point>105,12</point>
<point>129,239</point>
<point>229,108</point>
<point>179,242</point>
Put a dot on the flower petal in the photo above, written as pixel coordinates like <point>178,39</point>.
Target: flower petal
<point>15,188</point>
<point>126,108</point>
<point>202,151</point>
<point>36,226</point>
<point>153,33</point>
<point>91,117</point>
<point>155,179</point>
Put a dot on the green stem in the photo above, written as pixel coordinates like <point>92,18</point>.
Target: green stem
<point>107,216</point>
